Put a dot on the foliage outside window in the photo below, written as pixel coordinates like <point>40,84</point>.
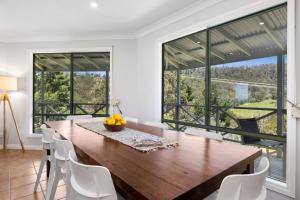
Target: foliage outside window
<point>231,79</point>
<point>69,84</point>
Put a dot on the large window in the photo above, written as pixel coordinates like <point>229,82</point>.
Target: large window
<point>69,84</point>
<point>231,79</point>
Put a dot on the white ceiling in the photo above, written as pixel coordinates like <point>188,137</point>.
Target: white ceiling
<point>44,18</point>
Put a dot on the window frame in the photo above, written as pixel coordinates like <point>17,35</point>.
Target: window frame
<point>207,125</point>
<point>30,83</point>
<point>287,188</point>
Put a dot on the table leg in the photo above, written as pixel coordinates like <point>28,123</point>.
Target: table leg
<point>48,164</point>
<point>250,168</point>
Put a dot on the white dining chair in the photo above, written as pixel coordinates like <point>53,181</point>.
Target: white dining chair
<point>203,133</point>
<point>91,182</point>
<point>76,117</point>
<point>131,119</point>
<point>156,124</point>
<point>47,143</point>
<point>60,169</point>
<point>246,186</point>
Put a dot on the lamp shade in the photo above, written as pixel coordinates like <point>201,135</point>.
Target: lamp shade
<point>8,83</point>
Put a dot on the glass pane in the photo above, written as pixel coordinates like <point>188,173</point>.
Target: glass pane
<point>91,81</point>
<point>51,85</point>
<point>170,83</point>
<point>248,82</point>
<point>184,79</point>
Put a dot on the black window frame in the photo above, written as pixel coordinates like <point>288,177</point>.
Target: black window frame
<point>280,108</point>
<point>72,105</point>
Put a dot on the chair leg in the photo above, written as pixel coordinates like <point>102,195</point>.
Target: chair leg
<point>50,180</point>
<point>268,153</point>
<point>68,185</point>
<point>55,177</point>
<point>42,164</point>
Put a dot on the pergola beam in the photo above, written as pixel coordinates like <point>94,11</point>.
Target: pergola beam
<point>168,60</point>
<point>186,53</point>
<point>176,61</point>
<point>39,63</point>
<point>38,66</point>
<point>74,63</point>
<point>202,44</point>
<point>235,42</point>
<point>62,65</point>
<point>92,62</point>
<point>270,32</point>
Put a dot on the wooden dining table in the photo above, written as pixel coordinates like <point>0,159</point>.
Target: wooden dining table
<point>192,170</point>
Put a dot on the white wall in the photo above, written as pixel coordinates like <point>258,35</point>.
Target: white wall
<point>2,71</point>
<point>148,60</point>
<point>135,73</point>
<point>16,62</point>
<point>2,58</point>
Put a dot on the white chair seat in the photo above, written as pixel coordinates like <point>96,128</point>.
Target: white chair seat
<point>91,182</point>
<point>46,146</point>
<point>59,157</point>
<point>86,193</point>
<point>246,186</point>
<point>45,141</point>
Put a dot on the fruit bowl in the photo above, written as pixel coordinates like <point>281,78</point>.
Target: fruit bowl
<point>114,123</point>
<point>114,128</point>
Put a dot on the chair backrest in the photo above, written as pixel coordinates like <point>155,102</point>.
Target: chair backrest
<point>203,133</point>
<point>246,186</point>
<point>249,125</point>
<point>47,133</point>
<point>62,147</point>
<point>74,117</point>
<point>156,124</point>
<point>99,118</point>
<point>93,179</point>
<point>131,119</point>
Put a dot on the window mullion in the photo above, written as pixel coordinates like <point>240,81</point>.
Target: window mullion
<point>71,85</point>
<point>107,91</point>
<point>178,103</point>
<point>33,95</point>
<point>280,85</point>
<point>207,79</point>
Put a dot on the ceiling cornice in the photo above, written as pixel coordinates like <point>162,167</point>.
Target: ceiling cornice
<point>60,38</point>
<point>180,14</point>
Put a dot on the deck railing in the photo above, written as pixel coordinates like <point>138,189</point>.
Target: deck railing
<point>198,121</point>
<point>48,110</point>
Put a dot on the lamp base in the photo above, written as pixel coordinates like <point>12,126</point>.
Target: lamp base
<point>5,98</point>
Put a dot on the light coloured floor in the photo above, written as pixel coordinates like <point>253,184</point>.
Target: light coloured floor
<point>18,172</point>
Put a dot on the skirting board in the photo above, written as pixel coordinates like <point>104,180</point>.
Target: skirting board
<point>26,147</point>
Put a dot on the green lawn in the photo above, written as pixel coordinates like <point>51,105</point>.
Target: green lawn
<point>242,113</point>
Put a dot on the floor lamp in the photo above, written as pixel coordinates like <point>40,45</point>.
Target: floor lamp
<point>8,83</point>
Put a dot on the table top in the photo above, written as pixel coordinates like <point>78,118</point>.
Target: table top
<point>166,173</point>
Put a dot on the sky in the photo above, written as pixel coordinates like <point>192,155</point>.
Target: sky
<point>258,61</point>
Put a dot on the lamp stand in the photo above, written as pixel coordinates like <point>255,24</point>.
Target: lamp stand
<point>5,98</point>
